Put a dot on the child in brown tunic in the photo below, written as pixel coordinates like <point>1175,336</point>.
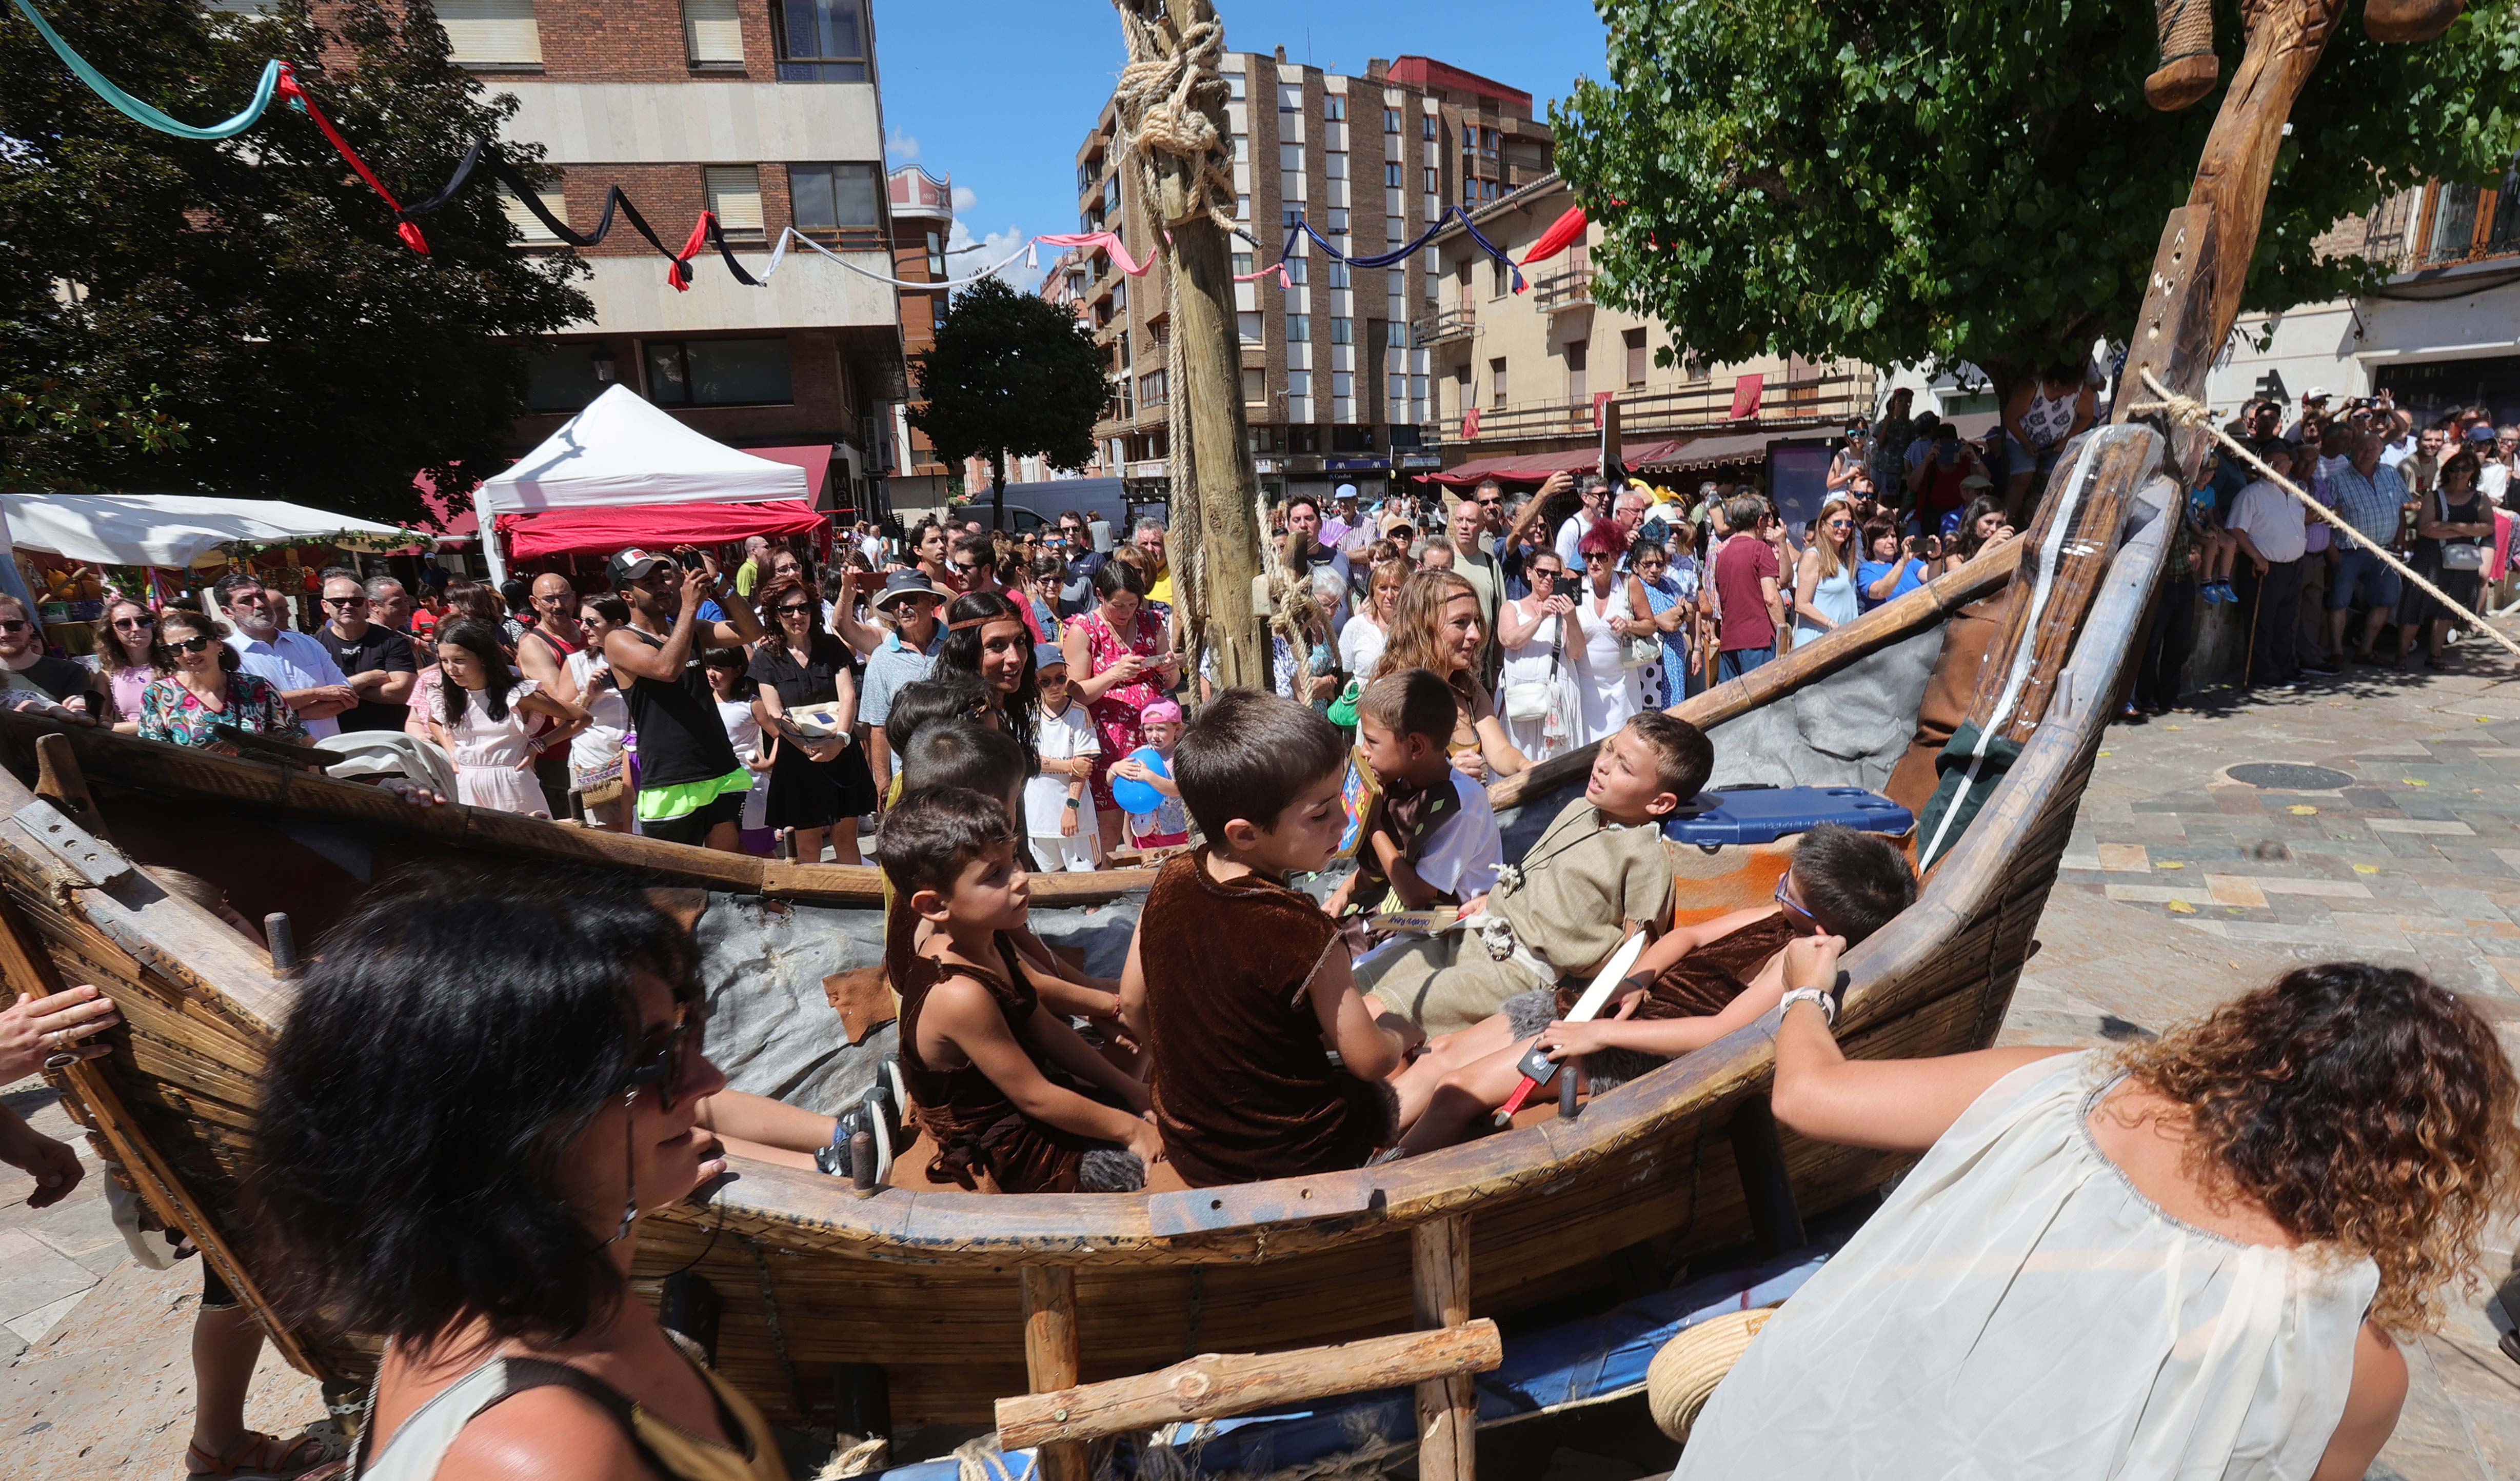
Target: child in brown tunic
<point>1688,989</point>
<point>994,1076</point>
<point>1237,984</point>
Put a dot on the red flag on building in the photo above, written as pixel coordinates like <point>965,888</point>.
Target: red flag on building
<point>1564,233</point>
<point>1745,398</point>
<point>1471,422</point>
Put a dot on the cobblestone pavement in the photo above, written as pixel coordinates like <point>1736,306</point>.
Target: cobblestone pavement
<point>2183,884</point>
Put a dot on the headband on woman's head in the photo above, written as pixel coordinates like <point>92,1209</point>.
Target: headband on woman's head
<point>971,622</point>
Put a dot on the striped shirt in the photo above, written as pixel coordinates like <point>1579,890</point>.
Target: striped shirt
<point>2369,504</point>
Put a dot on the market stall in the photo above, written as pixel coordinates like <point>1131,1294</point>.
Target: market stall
<point>623,454</point>
<point>64,547</point>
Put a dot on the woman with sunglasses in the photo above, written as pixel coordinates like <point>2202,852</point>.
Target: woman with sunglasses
<point>1825,595</point>
<point>483,1088</point>
<point>206,690</point>
<point>1532,693</point>
<point>819,784</point>
<point>128,660</point>
<point>1613,607</point>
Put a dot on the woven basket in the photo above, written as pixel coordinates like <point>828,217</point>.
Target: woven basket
<point>1683,1375</point>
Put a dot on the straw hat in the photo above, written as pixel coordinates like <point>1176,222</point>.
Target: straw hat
<point>1683,1375</point>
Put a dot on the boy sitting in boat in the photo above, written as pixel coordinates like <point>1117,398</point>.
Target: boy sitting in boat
<point>1689,988</point>
<point>990,1067</point>
<point>1597,871</point>
<point>1237,983</point>
<point>1433,839</point>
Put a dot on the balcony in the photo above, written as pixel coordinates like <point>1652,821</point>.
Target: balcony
<point>1570,288</point>
<point>1445,328</point>
<point>2441,226</point>
<point>1816,402</point>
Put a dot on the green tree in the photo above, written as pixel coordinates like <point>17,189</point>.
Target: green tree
<point>1977,181</point>
<point>304,351</point>
<point>1009,375</point>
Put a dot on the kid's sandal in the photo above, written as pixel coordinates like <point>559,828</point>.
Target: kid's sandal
<point>257,1456</point>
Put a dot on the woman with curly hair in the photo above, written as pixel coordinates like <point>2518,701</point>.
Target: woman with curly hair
<point>2183,1258</point>
<point>1439,625</point>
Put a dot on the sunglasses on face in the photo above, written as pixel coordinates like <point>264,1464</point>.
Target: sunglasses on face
<point>186,646</point>
<point>793,607</point>
<point>131,625</point>
<point>1547,576</point>
<point>659,1065</point>
<point>14,625</point>
<point>966,568</point>
<point>346,602</point>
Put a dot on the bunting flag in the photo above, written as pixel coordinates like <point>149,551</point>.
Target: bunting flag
<point>404,227</point>
<point>141,113</point>
<point>480,157</point>
<point>1303,228</point>
<point>1562,233</point>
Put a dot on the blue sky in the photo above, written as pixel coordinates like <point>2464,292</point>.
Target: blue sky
<point>998,95</point>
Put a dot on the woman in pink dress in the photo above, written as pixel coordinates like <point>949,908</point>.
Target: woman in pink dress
<point>1117,677</point>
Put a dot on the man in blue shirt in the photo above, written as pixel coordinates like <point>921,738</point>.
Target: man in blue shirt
<point>911,606</point>
<point>2372,498</point>
<point>292,662</point>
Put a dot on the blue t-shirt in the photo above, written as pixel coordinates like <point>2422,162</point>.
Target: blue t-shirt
<point>1868,571</point>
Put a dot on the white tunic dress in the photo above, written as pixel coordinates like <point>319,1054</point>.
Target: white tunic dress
<point>1605,683</point>
<point>487,753</point>
<point>1544,735</point>
<point>2016,1310</point>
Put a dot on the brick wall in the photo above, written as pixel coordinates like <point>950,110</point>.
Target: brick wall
<point>640,41</point>
<point>670,197</point>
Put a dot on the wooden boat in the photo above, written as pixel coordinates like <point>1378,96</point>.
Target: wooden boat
<point>954,1298</point>
<point>933,1287</point>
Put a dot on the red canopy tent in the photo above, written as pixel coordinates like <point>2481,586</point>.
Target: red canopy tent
<point>657,527</point>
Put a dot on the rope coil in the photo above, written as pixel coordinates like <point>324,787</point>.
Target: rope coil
<point>2188,411</point>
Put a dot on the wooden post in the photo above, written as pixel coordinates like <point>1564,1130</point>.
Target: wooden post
<point>1439,1270</point>
<point>2286,40</point>
<point>1759,1159</point>
<point>60,781</point>
<point>1215,523</point>
<point>1050,1355</point>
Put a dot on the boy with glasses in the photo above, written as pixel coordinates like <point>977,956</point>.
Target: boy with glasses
<point>377,660</point>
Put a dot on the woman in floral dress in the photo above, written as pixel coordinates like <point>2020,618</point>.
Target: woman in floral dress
<point>206,691</point>
<point>1116,678</point>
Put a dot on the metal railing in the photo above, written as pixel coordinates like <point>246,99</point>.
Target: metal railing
<point>1819,402</point>
<point>1570,288</point>
<point>1440,329</point>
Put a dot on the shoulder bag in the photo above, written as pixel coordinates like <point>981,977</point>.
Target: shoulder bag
<point>1531,698</point>
<point>2458,555</point>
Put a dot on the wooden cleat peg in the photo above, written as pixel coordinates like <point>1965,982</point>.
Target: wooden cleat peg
<point>2408,20</point>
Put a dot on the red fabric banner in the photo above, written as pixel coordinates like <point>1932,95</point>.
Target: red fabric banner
<point>657,527</point>
<point>1745,396</point>
<point>1564,233</point>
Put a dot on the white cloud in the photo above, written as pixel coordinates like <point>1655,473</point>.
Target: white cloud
<point>901,147</point>
<point>988,251</point>
<point>965,198</point>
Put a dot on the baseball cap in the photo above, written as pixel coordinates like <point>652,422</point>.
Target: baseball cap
<point>633,565</point>
<point>1162,712</point>
<point>2315,393</point>
<point>1344,491</point>
<point>2480,432</point>
<point>904,583</point>
<point>1044,654</point>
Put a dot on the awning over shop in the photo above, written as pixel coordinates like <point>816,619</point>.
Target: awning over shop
<point>1532,468</point>
<point>656,526</point>
<point>176,530</point>
<point>815,460</point>
<point>1711,452</point>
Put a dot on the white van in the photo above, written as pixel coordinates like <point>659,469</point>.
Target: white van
<point>1031,506</point>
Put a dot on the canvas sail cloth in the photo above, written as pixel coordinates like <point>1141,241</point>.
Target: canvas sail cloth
<point>621,451</point>
<point>176,530</point>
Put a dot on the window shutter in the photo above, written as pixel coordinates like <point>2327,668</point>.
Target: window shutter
<point>527,224</point>
<point>491,32</point>
<point>735,195</point>
<point>713,30</point>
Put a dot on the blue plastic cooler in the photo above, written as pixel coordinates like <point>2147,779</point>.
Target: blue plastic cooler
<point>1765,814</point>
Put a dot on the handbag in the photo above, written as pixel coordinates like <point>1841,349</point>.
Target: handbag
<point>1531,698</point>
<point>2463,555</point>
<point>1637,650</point>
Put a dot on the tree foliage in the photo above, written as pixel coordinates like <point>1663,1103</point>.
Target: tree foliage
<point>305,352</point>
<point>1011,376</point>
<point>1976,181</point>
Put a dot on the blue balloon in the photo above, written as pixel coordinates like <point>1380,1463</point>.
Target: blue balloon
<point>1135,796</point>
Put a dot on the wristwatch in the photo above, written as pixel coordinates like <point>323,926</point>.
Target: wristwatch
<point>1074,803</point>
<point>1817,997</point>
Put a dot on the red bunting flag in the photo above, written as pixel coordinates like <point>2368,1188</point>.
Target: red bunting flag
<point>1564,233</point>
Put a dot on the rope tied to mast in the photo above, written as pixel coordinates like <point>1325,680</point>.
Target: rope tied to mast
<point>1157,95</point>
<point>2189,412</point>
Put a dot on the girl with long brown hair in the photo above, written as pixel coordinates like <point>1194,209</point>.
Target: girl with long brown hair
<point>2190,1257</point>
<point>1438,626</point>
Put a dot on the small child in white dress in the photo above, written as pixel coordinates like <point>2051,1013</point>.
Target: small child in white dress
<point>492,740</point>
<point>1059,810</point>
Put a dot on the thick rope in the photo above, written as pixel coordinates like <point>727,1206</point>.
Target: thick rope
<point>2186,411</point>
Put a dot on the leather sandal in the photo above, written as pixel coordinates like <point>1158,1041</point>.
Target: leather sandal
<point>257,1456</point>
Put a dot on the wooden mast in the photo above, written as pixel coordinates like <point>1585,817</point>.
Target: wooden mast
<point>1215,521</point>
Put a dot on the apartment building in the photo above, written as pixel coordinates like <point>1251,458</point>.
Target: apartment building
<point>1519,379</point>
<point>2442,334</point>
<point>1334,388</point>
<point>769,115</point>
<point>923,223</point>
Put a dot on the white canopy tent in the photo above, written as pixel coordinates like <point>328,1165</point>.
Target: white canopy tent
<point>621,450</point>
<point>176,530</point>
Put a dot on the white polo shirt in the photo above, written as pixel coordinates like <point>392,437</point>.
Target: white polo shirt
<point>2272,519</point>
<point>291,660</point>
